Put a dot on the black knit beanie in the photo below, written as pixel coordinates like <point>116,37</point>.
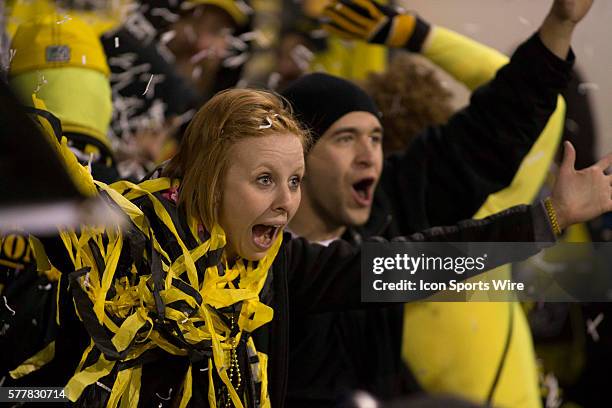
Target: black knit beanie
<point>318,100</point>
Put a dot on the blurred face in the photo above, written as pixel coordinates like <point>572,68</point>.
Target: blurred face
<point>344,167</point>
<point>200,43</point>
<point>261,192</point>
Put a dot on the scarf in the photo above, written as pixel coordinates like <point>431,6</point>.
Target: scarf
<point>136,299</point>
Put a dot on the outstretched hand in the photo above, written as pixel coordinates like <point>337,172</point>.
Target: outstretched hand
<point>581,195</point>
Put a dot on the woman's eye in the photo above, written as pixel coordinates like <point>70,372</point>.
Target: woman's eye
<point>264,180</point>
<point>294,182</point>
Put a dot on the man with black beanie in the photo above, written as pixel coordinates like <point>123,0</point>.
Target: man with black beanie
<point>444,176</point>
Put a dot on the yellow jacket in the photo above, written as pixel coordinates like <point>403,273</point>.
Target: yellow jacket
<point>457,348</point>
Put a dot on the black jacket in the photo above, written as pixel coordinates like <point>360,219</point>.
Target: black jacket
<point>304,279</point>
<point>444,176</point>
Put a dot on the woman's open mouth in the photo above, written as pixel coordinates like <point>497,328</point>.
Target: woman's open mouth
<point>265,234</point>
<point>363,191</point>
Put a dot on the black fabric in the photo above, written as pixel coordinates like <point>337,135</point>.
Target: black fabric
<point>318,100</point>
<point>30,171</point>
<point>444,176</point>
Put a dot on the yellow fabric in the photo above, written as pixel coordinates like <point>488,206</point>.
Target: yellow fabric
<point>55,41</point>
<point>401,29</point>
<point>133,303</point>
<point>353,60</point>
<point>100,20</point>
<point>35,362</point>
<point>239,15</point>
<point>79,175</point>
<point>80,98</point>
<point>469,337</point>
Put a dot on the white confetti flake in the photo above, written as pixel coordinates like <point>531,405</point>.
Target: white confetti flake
<point>268,124</point>
<point>165,14</point>
<point>302,56</point>
<point>12,53</point>
<point>99,384</point>
<point>41,82</point>
<point>7,305</point>
<point>274,80</point>
<point>585,87</point>
<point>196,73</point>
<point>166,37</point>
<point>34,322</point>
<point>553,399</point>
<point>197,57</point>
<point>83,59</point>
<point>245,8</point>
<point>236,60</point>
<point>48,286</point>
<point>165,398</point>
<point>592,326</point>
<point>116,42</point>
<point>64,19</point>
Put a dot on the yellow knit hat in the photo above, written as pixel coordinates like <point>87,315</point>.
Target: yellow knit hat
<point>55,41</point>
<point>238,13</point>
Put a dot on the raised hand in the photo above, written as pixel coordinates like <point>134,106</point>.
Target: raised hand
<point>558,26</point>
<point>581,195</point>
<point>370,21</point>
<point>571,10</point>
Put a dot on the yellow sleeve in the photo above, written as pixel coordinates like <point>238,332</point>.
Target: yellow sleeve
<point>456,54</point>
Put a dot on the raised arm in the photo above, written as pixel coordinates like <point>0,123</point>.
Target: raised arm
<point>480,149</point>
<point>329,278</point>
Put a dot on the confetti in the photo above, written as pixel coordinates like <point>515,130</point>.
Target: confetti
<point>150,88</point>
<point>592,326</point>
<point>48,286</point>
<point>12,53</point>
<point>165,14</point>
<point>63,20</point>
<point>83,59</point>
<point>553,399</point>
<point>302,56</point>
<point>274,80</point>
<point>34,322</point>
<point>196,73</point>
<point>585,87</point>
<point>41,82</point>
<point>166,37</point>
<point>236,61</point>
<point>99,384</point>
<point>245,8</point>
<point>268,125</point>
<point>116,42</point>
<point>204,369</point>
<point>4,329</point>
<point>199,56</point>
<point>165,398</point>
<point>7,306</point>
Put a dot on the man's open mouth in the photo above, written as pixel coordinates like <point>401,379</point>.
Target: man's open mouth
<point>363,191</point>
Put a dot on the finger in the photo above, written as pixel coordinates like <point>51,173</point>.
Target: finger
<point>333,29</point>
<point>605,162</point>
<point>353,14</point>
<point>569,157</point>
<point>370,6</point>
<point>342,23</point>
